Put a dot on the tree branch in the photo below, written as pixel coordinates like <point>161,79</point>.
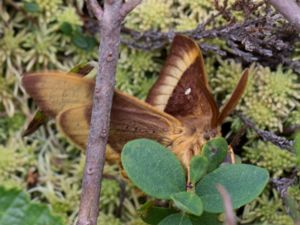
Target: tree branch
<point>110,29</point>
<point>128,7</point>
<point>94,6</point>
<point>289,9</point>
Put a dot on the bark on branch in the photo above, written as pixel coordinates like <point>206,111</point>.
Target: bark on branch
<point>109,21</point>
<point>289,9</point>
<point>95,8</point>
<point>281,142</point>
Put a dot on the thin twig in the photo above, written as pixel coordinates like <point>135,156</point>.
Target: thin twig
<point>281,142</point>
<point>128,7</point>
<point>109,21</point>
<point>261,37</point>
<point>289,9</point>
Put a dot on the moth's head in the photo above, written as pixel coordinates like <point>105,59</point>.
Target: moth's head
<point>211,133</point>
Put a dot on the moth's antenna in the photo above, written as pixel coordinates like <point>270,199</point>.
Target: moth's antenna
<point>235,97</point>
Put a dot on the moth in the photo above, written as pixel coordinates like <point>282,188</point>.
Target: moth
<point>180,111</point>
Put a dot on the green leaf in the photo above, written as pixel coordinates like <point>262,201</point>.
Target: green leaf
<point>80,41</point>
<point>297,148</point>
<point>206,219</point>
<point>198,168</point>
<point>188,202</point>
<point>153,168</point>
<point>31,7</point>
<point>84,42</point>
<point>243,183</point>
<point>92,43</point>
<point>66,28</point>
<point>82,69</point>
<point>153,215</point>
<point>16,209</point>
<point>215,151</point>
<point>176,219</point>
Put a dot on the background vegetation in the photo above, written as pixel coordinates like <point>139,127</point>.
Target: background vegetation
<point>40,35</point>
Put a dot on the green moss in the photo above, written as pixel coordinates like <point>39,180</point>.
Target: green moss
<point>267,209</point>
<point>294,192</point>
<point>11,51</point>
<point>256,109</point>
<point>151,14</point>
<point>110,196</point>
<point>269,156</point>
<point>49,7</point>
<point>105,219</point>
<point>69,15</point>
<point>279,89</point>
<point>43,45</point>
<point>227,77</point>
<point>136,70</point>
<point>137,222</point>
<point>269,98</point>
<point>15,163</point>
<point>294,117</point>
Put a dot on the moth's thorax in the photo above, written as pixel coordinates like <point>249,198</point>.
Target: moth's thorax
<point>190,142</point>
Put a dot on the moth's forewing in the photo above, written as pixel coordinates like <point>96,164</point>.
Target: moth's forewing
<point>191,97</point>
<point>130,119</point>
<point>182,89</point>
<point>234,98</point>
<point>54,91</point>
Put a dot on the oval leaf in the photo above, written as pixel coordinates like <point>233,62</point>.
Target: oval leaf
<point>198,168</point>
<point>79,40</point>
<point>66,28</point>
<point>215,151</point>
<point>243,183</point>
<point>153,168</point>
<point>31,7</point>
<point>16,209</point>
<point>206,219</point>
<point>176,219</point>
<point>188,202</point>
<point>152,215</point>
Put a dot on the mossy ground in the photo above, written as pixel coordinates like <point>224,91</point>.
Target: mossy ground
<point>50,169</point>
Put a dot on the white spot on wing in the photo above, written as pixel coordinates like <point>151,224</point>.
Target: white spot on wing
<point>188,91</point>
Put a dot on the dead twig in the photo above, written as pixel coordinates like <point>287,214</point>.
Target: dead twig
<point>263,35</point>
<point>281,142</point>
<point>109,21</point>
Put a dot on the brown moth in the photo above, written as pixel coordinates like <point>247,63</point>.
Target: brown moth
<point>180,111</point>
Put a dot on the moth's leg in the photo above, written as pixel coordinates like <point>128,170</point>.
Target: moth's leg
<point>189,185</point>
<point>231,153</point>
